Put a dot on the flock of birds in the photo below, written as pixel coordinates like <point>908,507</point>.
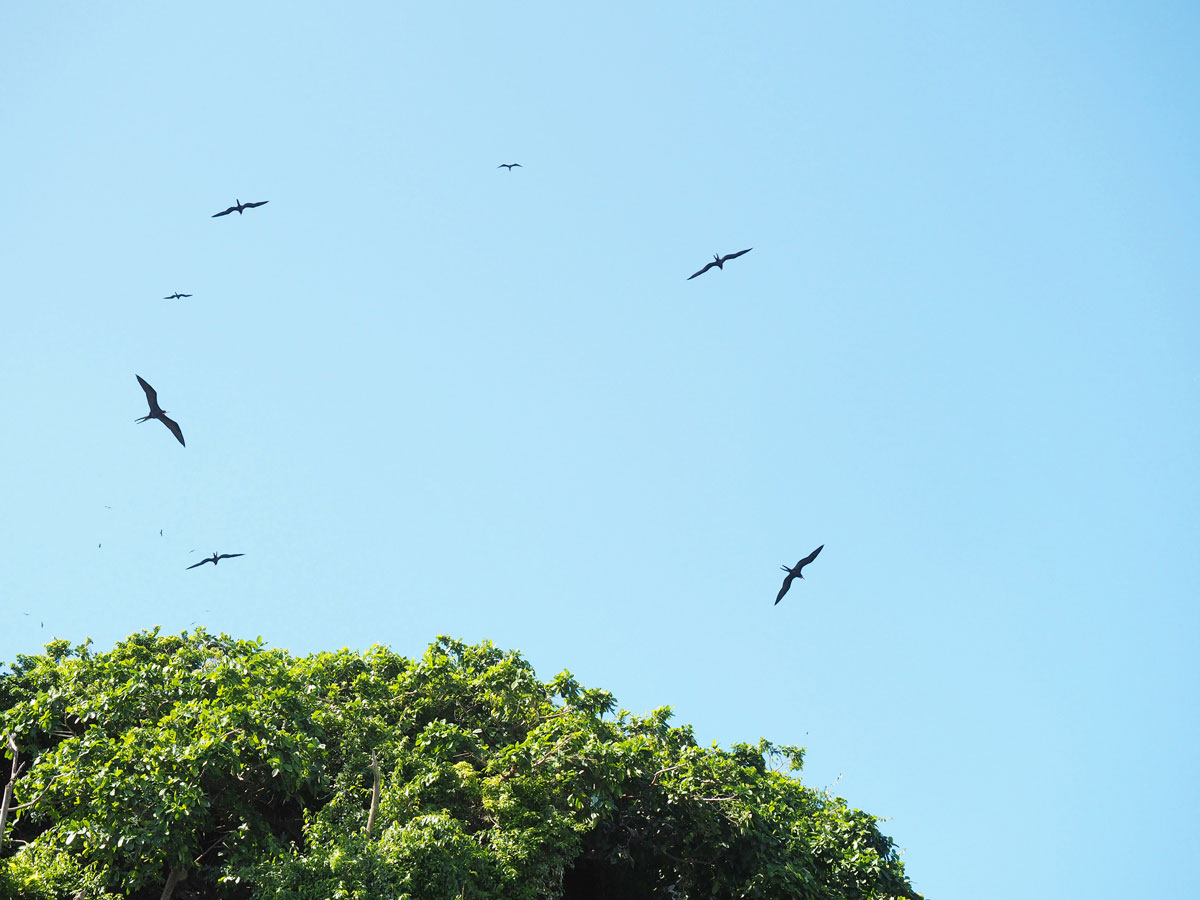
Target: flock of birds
<point>157,412</point>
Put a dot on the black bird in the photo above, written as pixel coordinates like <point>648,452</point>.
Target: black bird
<point>216,558</point>
<point>177,295</point>
<point>157,412</point>
<point>509,166</point>
<point>795,572</point>
<point>240,206</point>
<point>719,261</point>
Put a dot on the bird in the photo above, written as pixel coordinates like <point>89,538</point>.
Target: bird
<point>509,166</point>
<point>216,558</point>
<point>177,295</point>
<point>719,261</point>
<point>795,572</point>
<point>239,207</point>
<point>157,412</point>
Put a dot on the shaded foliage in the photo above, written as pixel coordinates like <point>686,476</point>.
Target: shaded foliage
<point>247,770</point>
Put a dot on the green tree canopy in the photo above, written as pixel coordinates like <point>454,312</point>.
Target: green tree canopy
<point>197,765</point>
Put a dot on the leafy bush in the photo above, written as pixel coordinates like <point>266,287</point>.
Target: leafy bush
<point>247,773</point>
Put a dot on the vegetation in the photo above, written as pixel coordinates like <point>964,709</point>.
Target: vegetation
<point>197,765</point>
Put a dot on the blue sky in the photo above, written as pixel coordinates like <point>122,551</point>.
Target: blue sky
<point>424,395</point>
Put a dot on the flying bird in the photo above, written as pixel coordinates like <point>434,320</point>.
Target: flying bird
<point>719,261</point>
<point>239,207</point>
<point>794,573</point>
<point>509,166</point>
<point>177,295</point>
<point>157,412</point>
<point>216,558</point>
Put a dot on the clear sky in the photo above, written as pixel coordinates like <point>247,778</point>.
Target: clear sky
<point>425,395</point>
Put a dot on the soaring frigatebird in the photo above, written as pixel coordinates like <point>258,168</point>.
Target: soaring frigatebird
<point>157,412</point>
<point>509,166</point>
<point>217,557</point>
<point>719,262</point>
<point>176,296</point>
<point>240,206</point>
<point>795,572</point>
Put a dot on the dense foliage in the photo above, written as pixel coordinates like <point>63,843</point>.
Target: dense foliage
<point>202,766</point>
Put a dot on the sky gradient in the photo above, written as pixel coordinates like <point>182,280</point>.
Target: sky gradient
<point>428,396</point>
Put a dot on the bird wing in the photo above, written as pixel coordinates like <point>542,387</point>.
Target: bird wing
<point>516,166</point>
<point>151,394</point>
<point>702,271</point>
<point>230,555</point>
<point>227,212</point>
<point>735,255</point>
<point>169,297</point>
<point>259,203</point>
<point>174,426</point>
<point>202,562</point>
<point>185,295</point>
<point>787,583</point>
<point>804,562</point>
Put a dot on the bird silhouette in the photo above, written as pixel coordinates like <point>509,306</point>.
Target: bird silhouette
<point>510,166</point>
<point>216,558</point>
<point>794,572</point>
<point>157,412</point>
<point>239,207</point>
<point>719,261</point>
<point>176,296</point>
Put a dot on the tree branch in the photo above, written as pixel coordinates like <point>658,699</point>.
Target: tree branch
<point>38,797</point>
<point>8,788</point>
<point>177,875</point>
<point>667,769</point>
<point>374,767</point>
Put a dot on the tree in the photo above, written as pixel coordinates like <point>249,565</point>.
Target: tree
<point>197,765</point>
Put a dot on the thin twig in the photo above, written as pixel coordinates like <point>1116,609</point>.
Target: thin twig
<point>213,846</point>
<point>667,769</point>
<point>39,796</point>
